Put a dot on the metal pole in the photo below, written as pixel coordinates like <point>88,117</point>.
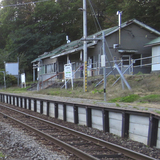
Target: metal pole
<point>84,46</point>
<point>18,70</point>
<point>4,80</point>
<point>38,76</point>
<point>104,68</point>
<point>119,13</point>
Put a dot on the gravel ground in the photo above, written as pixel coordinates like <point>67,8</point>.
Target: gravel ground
<point>16,145</point>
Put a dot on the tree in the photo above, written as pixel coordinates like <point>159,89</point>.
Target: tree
<point>147,11</point>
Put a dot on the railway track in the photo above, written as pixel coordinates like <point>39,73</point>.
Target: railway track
<point>77,143</point>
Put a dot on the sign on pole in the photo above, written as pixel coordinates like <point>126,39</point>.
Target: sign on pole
<point>68,74</point>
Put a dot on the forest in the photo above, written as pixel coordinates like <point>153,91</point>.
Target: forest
<point>29,28</point>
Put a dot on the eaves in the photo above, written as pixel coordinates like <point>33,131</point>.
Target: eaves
<point>73,50</point>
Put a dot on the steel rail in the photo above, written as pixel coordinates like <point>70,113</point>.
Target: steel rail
<point>60,143</point>
<point>109,145</point>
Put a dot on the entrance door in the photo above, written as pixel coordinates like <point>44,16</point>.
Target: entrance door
<point>126,64</point>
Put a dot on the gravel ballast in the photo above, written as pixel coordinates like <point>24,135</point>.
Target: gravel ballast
<point>17,145</point>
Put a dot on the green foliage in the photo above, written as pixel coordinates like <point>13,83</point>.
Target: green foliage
<point>150,98</point>
<point>97,91</point>
<point>115,100</point>
<point>118,105</point>
<point>139,73</point>
<point>129,98</point>
<point>157,111</point>
<point>1,155</point>
<point>146,11</point>
<point>28,31</point>
<point>10,80</point>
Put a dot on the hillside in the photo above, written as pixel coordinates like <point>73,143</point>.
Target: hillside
<point>143,86</point>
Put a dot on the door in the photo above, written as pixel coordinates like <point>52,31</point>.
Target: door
<point>127,65</point>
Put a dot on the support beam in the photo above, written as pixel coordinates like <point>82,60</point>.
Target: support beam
<point>88,117</point>
<point>125,125</point>
<point>153,131</point>
<point>105,120</point>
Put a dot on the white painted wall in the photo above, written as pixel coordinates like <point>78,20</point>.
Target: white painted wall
<point>156,60</point>
<point>27,102</point>
<point>52,110</point>
<point>60,111</point>
<point>38,106</point>
<point>19,102</point>
<point>82,116</point>
<point>138,128</point>
<point>70,113</point>
<point>15,101</point>
<point>115,123</point>
<point>5,99</point>
<point>22,102</point>
<point>11,100</point>
<point>45,108</point>
<point>158,136</point>
<point>97,119</point>
<point>32,105</point>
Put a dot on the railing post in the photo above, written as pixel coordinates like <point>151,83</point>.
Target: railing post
<point>48,108</point>
<point>56,110</point>
<point>13,100</point>
<point>153,131</point>
<point>125,125</point>
<point>105,120</point>
<point>25,103</point>
<point>17,101</point>
<point>10,100</point>
<point>64,112</point>
<point>75,114</point>
<point>29,103</point>
<point>21,101</point>
<point>35,106</point>
<point>88,117</point>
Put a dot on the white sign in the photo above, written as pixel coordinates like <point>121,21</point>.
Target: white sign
<point>103,60</point>
<point>68,71</point>
<point>11,68</point>
<point>23,78</point>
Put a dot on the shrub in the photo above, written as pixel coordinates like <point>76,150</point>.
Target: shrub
<point>129,98</point>
<point>150,98</point>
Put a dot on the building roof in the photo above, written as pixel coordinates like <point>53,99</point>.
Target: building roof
<point>154,42</point>
<point>77,45</point>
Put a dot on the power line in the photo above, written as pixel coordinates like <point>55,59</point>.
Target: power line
<point>21,4</point>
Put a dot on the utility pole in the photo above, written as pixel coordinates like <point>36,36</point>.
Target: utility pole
<point>84,46</point>
<point>104,68</point>
<point>119,13</point>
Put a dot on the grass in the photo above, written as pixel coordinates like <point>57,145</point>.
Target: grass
<point>15,90</point>
<point>129,98</point>
<point>1,155</point>
<point>150,98</point>
<point>157,111</point>
<point>146,90</point>
<point>118,105</point>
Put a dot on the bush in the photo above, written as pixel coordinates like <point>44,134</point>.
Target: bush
<point>10,79</point>
<point>129,98</point>
<point>150,98</point>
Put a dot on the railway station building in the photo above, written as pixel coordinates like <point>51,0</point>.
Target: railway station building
<point>125,46</point>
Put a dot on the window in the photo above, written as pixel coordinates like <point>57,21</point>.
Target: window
<point>126,60</point>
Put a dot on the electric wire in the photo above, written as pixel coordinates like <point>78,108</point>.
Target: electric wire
<point>22,4</point>
<point>105,39</point>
